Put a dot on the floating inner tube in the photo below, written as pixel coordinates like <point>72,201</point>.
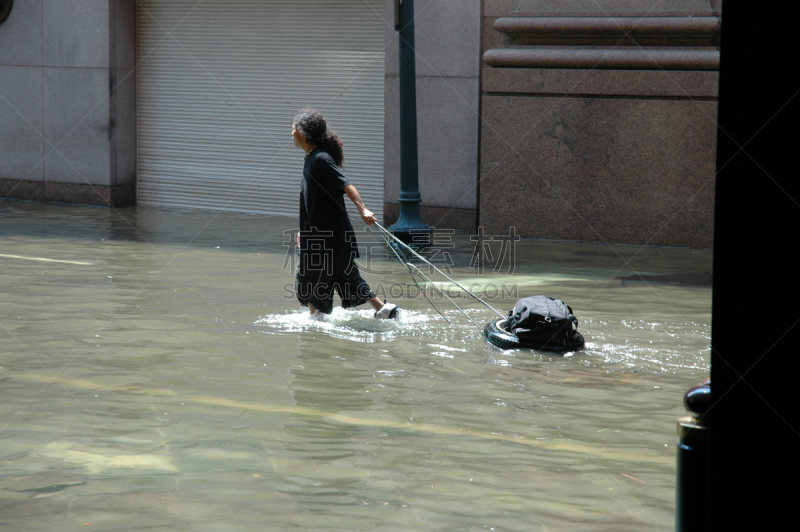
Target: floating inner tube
<point>497,334</point>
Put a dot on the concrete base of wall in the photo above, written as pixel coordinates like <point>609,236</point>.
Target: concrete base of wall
<point>102,195</point>
<point>438,217</point>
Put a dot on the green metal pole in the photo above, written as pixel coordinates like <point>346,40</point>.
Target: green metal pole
<point>409,222</point>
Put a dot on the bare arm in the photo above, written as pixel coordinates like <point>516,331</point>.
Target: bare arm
<point>366,214</point>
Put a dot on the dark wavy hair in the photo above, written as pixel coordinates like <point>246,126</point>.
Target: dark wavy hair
<point>314,127</point>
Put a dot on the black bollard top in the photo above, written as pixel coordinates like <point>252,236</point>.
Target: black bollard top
<point>697,401</point>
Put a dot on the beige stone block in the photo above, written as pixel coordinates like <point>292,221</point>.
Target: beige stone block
<point>500,8</point>
<point>21,35</point>
<point>21,126</point>
<point>447,38</point>
<point>447,141</point>
<point>574,82</point>
<point>76,33</point>
<point>77,125</point>
<point>599,169</point>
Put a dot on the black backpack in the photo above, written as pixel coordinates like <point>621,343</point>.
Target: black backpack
<point>542,319</point>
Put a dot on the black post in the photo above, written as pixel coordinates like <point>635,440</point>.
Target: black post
<point>692,463</point>
<point>409,222</point>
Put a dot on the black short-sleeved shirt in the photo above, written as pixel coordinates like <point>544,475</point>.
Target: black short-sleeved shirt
<point>323,216</point>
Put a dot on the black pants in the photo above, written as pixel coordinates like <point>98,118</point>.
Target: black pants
<point>317,286</point>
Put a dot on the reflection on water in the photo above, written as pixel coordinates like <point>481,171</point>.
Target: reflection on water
<point>157,374</point>
<point>352,324</point>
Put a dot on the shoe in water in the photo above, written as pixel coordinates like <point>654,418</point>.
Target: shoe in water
<point>387,311</point>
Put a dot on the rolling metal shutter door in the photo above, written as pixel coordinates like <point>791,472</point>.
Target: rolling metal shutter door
<point>220,82</point>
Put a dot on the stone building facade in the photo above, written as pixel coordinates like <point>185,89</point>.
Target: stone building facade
<point>591,120</point>
<point>67,102</point>
<point>599,123</point>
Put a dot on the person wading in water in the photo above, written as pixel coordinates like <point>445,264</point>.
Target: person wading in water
<point>328,246</point>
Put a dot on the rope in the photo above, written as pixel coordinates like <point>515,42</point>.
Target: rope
<point>386,232</point>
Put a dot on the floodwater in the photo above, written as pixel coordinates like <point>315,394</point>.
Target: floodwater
<point>157,374</point>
